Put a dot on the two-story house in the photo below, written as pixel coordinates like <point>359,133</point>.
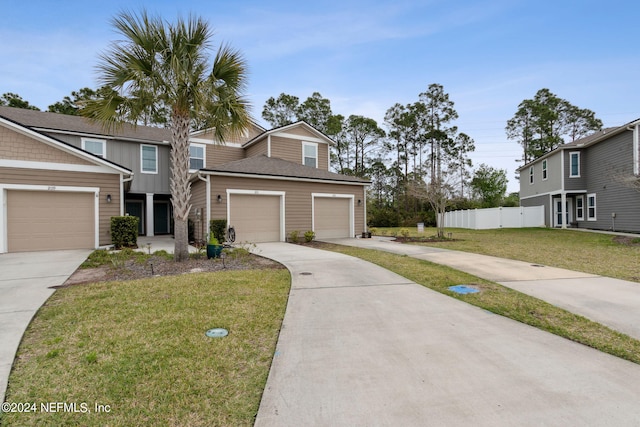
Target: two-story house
<point>58,171</point>
<point>589,183</point>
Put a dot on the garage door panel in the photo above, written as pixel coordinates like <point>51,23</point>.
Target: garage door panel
<point>42,220</point>
<point>256,218</point>
<point>332,217</point>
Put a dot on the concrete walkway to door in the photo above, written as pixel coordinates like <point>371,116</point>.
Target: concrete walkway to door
<point>612,302</point>
<point>26,281</point>
<point>361,345</point>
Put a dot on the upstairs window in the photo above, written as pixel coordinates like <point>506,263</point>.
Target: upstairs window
<point>310,154</point>
<point>574,164</point>
<point>531,175</point>
<point>196,157</point>
<point>544,170</point>
<point>148,159</point>
<point>97,147</point>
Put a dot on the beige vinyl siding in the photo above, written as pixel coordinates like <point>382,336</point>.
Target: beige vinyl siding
<point>297,198</point>
<point>220,154</point>
<point>199,201</point>
<point>108,184</point>
<point>257,149</point>
<point>291,150</point>
<point>251,132</point>
<point>15,146</point>
<point>301,131</point>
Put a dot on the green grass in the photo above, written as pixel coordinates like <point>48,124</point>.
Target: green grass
<point>593,253</point>
<point>140,348</point>
<point>503,301</point>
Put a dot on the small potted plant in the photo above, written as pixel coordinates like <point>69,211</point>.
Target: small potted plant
<point>214,248</point>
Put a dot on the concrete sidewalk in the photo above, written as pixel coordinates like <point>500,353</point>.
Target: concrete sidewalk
<point>25,284</point>
<point>360,345</point>
<point>611,302</point>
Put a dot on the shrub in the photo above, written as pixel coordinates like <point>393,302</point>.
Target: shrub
<point>218,228</point>
<point>373,231</point>
<point>309,236</point>
<point>404,232</point>
<point>124,231</point>
<point>294,236</point>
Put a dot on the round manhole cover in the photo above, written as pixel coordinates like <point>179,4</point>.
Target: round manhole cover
<point>217,333</point>
<point>306,273</point>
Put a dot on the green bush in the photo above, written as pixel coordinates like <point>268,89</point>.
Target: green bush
<point>294,236</point>
<point>373,231</point>
<point>218,227</point>
<point>124,231</point>
<point>404,232</point>
<point>309,236</point>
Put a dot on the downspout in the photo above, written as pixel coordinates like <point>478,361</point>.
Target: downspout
<point>207,181</point>
<point>364,190</point>
<point>636,148</point>
<point>269,145</point>
<point>122,181</point>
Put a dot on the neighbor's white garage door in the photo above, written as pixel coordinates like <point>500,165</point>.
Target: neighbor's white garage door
<point>332,217</point>
<point>256,218</point>
<point>43,220</point>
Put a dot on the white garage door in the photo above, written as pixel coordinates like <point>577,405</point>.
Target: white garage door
<point>256,218</point>
<point>45,220</point>
<point>332,217</point>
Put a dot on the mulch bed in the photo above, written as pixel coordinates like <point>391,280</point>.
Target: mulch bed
<point>161,266</point>
<point>627,241</point>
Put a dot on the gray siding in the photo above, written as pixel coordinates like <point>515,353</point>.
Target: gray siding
<point>575,183</point>
<point>606,166</point>
<point>541,186</point>
<point>543,200</point>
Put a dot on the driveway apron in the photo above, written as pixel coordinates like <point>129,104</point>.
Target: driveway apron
<point>612,302</point>
<point>362,346</point>
<point>25,284</point>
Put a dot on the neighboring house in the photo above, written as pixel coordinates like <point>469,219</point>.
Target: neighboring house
<point>588,183</point>
<point>249,181</point>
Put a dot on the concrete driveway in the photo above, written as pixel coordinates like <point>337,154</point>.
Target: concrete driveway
<point>363,346</point>
<point>25,284</point>
<point>611,302</point>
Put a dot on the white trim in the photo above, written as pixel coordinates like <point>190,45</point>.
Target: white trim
<point>595,205</point>
<point>562,169</point>
<point>75,151</point>
<point>83,142</point>
<point>299,137</point>
<point>269,145</point>
<point>571,153</point>
<point>142,160</point>
<point>212,142</point>
<point>149,214</point>
<point>67,167</point>
<point>636,150</point>
<point>204,156</point>
<point>4,243</point>
<point>334,196</point>
<point>309,144</point>
<point>553,193</point>
<point>545,169</point>
<point>531,175</point>
<point>281,178</point>
<point>281,194</point>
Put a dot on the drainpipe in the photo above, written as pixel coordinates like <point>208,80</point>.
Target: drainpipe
<point>207,180</point>
<point>122,181</point>
<point>636,148</point>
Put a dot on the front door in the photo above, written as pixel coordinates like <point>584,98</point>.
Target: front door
<point>560,215</point>
<point>161,217</point>
<point>136,208</point>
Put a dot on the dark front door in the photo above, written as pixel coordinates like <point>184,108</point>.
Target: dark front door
<point>161,217</point>
<point>136,208</point>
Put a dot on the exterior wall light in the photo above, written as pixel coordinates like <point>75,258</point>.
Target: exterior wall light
<point>108,198</point>
<point>359,202</point>
<point>219,198</point>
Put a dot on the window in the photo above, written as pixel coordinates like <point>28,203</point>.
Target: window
<point>95,146</point>
<point>531,175</point>
<point>591,207</point>
<point>310,154</point>
<point>196,156</point>
<point>580,208</point>
<point>574,171</point>
<point>149,159</point>
<point>544,169</point>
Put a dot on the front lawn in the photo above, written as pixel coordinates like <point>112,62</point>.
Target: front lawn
<point>594,253</point>
<point>139,349</point>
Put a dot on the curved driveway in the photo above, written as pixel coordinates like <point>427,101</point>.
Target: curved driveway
<point>363,346</point>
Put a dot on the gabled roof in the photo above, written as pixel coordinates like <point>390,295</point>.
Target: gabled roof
<point>275,168</point>
<point>300,123</point>
<point>63,123</point>
<point>586,141</point>
<point>68,148</point>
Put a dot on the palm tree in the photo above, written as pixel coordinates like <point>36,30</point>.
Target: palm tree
<point>163,65</point>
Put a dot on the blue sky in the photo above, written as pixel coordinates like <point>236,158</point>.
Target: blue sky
<point>366,55</point>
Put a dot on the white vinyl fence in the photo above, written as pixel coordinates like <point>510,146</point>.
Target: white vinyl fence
<point>482,219</point>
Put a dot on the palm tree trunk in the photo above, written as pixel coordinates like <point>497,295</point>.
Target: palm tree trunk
<point>180,185</point>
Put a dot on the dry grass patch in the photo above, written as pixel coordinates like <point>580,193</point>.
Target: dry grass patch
<point>140,347</point>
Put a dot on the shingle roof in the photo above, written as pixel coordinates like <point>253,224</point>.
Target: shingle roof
<point>270,166</point>
<point>65,123</point>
